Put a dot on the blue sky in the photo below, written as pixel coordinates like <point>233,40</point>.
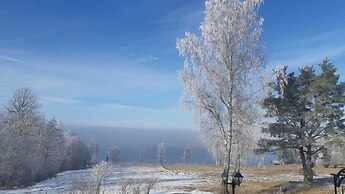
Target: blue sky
<point>114,63</point>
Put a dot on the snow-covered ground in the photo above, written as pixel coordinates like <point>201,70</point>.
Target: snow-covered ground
<point>166,181</point>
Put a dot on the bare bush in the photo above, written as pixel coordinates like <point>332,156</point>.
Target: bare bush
<point>81,185</point>
<point>125,185</point>
<point>136,186</point>
<point>149,183</point>
<point>337,159</point>
<point>92,182</point>
<point>99,171</point>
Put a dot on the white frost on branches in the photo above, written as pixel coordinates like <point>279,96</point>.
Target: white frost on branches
<point>161,153</point>
<point>280,74</point>
<point>99,171</point>
<point>33,147</point>
<point>222,71</point>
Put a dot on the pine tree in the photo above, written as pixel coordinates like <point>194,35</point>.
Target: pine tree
<point>308,111</point>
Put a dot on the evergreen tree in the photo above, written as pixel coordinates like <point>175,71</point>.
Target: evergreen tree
<point>308,111</point>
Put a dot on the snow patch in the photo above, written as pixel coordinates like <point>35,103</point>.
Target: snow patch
<point>167,181</point>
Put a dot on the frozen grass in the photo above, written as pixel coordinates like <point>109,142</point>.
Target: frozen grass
<point>193,178</point>
<point>272,179</point>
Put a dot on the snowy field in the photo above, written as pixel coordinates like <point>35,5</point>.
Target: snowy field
<point>165,181</point>
<point>183,179</point>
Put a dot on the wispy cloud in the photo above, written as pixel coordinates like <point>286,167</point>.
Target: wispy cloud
<point>185,14</point>
<point>58,99</point>
<point>308,56</point>
<point>123,115</point>
<point>334,36</point>
<point>142,57</point>
<point>101,79</point>
<point>309,50</point>
<point>63,48</point>
<point>118,106</point>
<point>185,18</point>
<point>11,59</point>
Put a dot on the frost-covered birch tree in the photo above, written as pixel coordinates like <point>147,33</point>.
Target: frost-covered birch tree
<point>51,148</point>
<point>186,154</point>
<point>161,153</point>
<point>113,155</point>
<point>221,70</point>
<point>23,121</point>
<point>94,151</point>
<point>78,154</point>
<point>32,147</point>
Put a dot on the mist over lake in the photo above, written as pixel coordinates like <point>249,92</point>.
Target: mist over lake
<point>132,141</point>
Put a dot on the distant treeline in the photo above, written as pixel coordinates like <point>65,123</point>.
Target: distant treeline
<point>34,147</point>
